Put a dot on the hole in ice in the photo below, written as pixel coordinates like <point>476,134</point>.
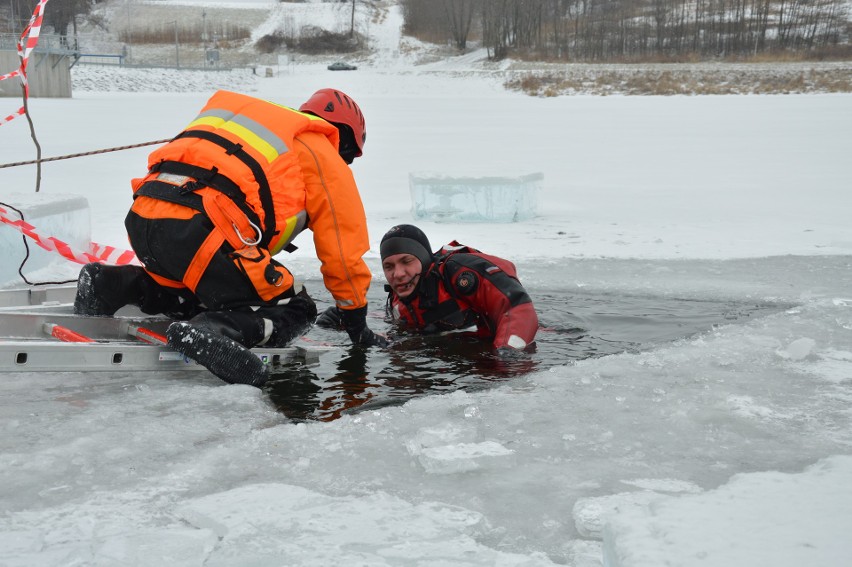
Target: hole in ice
<point>573,326</point>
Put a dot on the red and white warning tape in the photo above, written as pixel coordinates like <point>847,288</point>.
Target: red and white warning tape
<point>26,43</point>
<point>95,253</point>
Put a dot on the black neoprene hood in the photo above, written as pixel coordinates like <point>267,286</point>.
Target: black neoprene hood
<point>406,239</point>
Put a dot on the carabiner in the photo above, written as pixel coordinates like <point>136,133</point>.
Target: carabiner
<point>243,240</point>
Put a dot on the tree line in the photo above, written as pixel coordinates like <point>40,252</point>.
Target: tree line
<point>619,30</point>
<point>592,30</point>
<point>61,15</point>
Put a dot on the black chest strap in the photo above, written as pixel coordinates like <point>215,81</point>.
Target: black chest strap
<point>203,178</point>
<point>236,150</point>
<point>441,314</point>
<point>186,196</point>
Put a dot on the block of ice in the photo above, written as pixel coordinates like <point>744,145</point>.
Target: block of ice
<point>766,518</point>
<point>478,199</point>
<point>63,217</point>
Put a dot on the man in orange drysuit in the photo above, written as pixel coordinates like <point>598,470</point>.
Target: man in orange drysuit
<point>219,201</point>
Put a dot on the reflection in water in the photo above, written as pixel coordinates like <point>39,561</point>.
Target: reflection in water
<point>300,394</point>
<point>573,327</point>
<point>369,378</point>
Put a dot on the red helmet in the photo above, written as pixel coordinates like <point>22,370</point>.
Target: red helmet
<point>334,106</point>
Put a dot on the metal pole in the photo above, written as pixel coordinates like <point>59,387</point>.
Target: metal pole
<point>129,35</point>
<point>177,47</point>
<point>129,45</point>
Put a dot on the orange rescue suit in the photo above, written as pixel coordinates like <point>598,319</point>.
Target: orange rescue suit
<point>287,166</point>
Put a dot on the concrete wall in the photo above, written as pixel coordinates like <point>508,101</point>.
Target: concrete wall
<point>49,75</point>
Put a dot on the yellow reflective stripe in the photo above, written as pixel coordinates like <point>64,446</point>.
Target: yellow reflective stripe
<point>311,116</point>
<point>252,140</point>
<point>294,222</point>
<point>252,133</point>
<point>293,226</point>
<point>213,121</point>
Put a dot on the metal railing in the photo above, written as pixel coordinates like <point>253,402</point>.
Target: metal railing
<point>190,57</point>
<point>47,43</point>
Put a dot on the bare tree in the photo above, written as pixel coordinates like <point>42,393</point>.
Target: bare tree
<point>425,19</point>
<point>496,27</point>
<point>59,14</point>
<point>609,29</point>
<point>459,14</point>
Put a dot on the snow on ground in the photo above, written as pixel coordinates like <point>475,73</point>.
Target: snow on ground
<point>728,448</point>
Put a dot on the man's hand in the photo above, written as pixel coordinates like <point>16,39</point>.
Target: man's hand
<point>355,323</point>
<point>369,338</point>
<point>330,319</point>
<point>509,353</point>
<point>512,361</point>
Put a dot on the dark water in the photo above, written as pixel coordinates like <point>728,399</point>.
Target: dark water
<point>573,326</point>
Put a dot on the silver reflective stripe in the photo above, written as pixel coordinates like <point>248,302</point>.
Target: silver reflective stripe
<point>216,113</point>
<point>262,132</point>
<point>173,179</point>
<point>252,133</point>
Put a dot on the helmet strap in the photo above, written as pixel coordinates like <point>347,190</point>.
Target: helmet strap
<point>347,149</point>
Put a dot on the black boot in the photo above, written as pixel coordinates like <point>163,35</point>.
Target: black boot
<point>103,290</point>
<point>220,341</point>
<point>290,319</point>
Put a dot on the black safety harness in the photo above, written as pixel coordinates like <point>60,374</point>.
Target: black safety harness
<point>186,195</point>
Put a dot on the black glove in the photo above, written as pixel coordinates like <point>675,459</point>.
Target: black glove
<point>509,353</point>
<point>512,361</point>
<point>355,323</point>
<point>330,319</point>
<point>369,338</point>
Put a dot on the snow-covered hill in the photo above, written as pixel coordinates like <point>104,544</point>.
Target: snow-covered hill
<point>385,49</point>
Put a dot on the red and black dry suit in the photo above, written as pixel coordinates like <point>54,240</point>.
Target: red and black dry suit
<point>465,289</point>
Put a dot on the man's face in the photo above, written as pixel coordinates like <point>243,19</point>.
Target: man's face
<point>402,272</point>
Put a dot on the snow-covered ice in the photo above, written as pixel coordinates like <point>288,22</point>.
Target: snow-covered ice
<point>727,448</point>
<point>760,504</point>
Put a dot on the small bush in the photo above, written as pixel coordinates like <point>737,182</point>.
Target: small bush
<point>699,80</point>
<point>270,43</point>
<point>316,40</point>
<point>186,33</point>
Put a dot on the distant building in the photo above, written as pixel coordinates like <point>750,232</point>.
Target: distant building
<point>48,68</point>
